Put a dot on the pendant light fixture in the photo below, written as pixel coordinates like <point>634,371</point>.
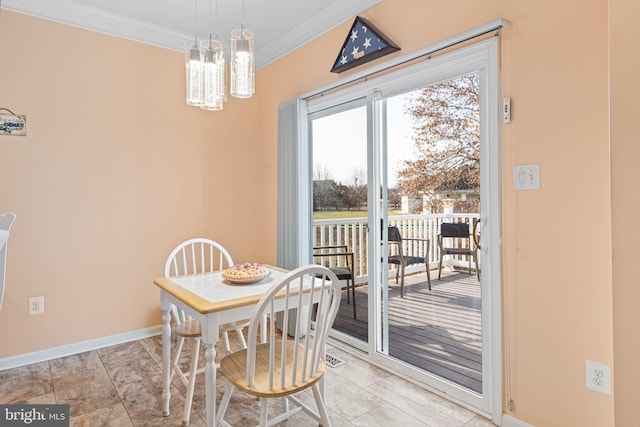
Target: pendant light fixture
<point>242,61</point>
<point>194,68</point>
<point>213,63</point>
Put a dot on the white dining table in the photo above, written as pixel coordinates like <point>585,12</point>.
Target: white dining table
<point>213,301</point>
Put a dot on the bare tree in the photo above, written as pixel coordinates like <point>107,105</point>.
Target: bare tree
<point>447,138</point>
<point>321,173</point>
<point>359,189</point>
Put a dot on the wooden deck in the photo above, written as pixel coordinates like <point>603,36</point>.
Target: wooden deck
<point>438,331</point>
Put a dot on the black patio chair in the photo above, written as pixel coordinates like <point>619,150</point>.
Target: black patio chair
<point>343,270</point>
<point>465,245</point>
<point>403,260</point>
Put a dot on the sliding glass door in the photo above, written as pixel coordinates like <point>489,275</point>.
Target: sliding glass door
<point>394,159</point>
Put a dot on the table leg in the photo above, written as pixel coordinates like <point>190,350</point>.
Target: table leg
<point>166,358</point>
<point>210,382</point>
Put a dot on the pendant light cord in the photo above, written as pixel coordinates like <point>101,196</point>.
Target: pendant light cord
<point>242,22</point>
<point>210,21</point>
<point>195,20</point>
<point>217,21</point>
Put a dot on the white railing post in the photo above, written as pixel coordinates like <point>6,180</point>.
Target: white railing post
<point>426,226</point>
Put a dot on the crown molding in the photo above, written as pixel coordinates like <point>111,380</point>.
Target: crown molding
<point>303,33</point>
<point>95,19</point>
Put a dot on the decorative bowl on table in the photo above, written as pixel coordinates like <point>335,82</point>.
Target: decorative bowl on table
<point>245,273</point>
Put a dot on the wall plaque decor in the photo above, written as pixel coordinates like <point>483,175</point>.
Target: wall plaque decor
<point>12,124</point>
<point>363,44</point>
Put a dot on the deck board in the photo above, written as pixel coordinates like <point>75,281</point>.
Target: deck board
<point>438,331</point>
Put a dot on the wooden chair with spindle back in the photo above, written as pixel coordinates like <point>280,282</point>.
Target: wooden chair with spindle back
<point>197,255</point>
<point>286,365</point>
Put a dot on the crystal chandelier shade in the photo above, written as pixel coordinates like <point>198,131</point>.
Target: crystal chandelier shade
<point>214,84</point>
<point>194,70</point>
<point>206,66</point>
<point>242,64</point>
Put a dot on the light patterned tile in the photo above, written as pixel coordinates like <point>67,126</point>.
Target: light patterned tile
<point>357,370</point>
<point>63,366</point>
<point>427,407</point>
<point>143,402</point>
<point>85,391</point>
<point>479,421</point>
<point>110,416</point>
<point>153,346</point>
<point>348,400</point>
<point>387,415</point>
<point>303,419</point>
<point>243,410</point>
<point>130,366</point>
<point>43,399</point>
<point>22,385</point>
<point>122,385</point>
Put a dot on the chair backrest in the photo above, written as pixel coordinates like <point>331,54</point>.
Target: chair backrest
<point>293,361</point>
<point>393,234</point>
<point>333,256</point>
<point>457,229</point>
<point>195,256</point>
<point>5,225</point>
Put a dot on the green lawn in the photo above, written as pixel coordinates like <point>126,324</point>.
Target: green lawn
<point>346,214</point>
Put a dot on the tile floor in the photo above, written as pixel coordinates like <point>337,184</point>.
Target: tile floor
<point>121,386</point>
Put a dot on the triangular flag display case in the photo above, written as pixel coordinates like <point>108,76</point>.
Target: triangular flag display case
<point>363,44</point>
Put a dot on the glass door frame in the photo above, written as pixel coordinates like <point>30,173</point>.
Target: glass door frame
<point>481,57</point>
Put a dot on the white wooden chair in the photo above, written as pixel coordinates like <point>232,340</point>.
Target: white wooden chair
<point>196,256</point>
<point>286,365</point>
<point>5,224</point>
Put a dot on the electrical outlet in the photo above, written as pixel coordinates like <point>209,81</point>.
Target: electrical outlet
<point>598,377</point>
<point>36,305</point>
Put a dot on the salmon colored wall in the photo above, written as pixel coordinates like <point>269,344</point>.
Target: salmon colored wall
<point>116,170</point>
<point>556,241</point>
<point>625,200</point>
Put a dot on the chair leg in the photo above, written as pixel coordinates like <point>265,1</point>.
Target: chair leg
<point>263,412</point>
<point>224,403</point>
<point>475,260</point>
<point>348,297</point>
<point>428,274</point>
<point>440,266</point>
<point>243,342</point>
<point>176,358</point>
<point>402,281</point>
<point>353,294</point>
<point>322,408</point>
<point>188,401</point>
<point>227,345</point>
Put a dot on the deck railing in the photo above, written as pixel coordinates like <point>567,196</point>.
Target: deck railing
<point>353,233</point>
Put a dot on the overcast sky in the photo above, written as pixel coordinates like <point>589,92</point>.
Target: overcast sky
<point>340,142</point>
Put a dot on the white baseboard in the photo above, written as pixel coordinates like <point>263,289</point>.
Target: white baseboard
<point>75,348</point>
<point>509,421</point>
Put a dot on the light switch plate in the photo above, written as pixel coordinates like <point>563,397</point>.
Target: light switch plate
<point>526,177</point>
